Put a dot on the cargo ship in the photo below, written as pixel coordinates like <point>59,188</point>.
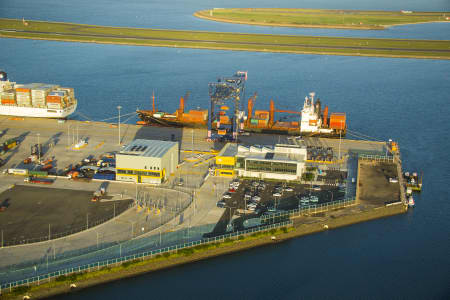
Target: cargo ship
<point>193,118</point>
<point>38,100</point>
<point>312,120</point>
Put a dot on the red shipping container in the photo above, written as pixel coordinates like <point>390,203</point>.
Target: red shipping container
<point>53,99</point>
<point>337,121</point>
<point>8,101</point>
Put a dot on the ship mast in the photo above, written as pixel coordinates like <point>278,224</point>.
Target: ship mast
<point>153,97</point>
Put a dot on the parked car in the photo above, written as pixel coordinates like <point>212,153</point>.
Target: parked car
<point>256,198</point>
<point>221,204</point>
<point>288,189</point>
<point>276,194</point>
<point>227,196</point>
<point>316,187</point>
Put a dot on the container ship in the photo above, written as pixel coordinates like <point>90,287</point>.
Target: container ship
<point>312,120</point>
<point>39,100</point>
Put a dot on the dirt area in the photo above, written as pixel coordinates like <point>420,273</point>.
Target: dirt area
<point>374,186</point>
<point>31,209</point>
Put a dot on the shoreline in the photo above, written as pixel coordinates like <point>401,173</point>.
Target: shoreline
<point>152,265</point>
<point>198,14</point>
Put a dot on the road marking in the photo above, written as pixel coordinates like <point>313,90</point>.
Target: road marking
<point>99,145</point>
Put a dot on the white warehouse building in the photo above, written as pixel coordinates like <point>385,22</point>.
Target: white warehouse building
<point>147,161</point>
<point>283,162</point>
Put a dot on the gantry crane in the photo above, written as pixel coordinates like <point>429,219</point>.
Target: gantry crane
<point>224,90</point>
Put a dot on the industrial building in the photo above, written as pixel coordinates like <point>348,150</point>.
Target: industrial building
<point>147,161</point>
<point>283,162</point>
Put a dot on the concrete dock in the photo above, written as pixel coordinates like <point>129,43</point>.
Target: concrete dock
<point>58,139</point>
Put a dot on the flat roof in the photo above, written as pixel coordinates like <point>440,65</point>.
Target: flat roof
<point>258,152</point>
<point>147,148</point>
<point>229,150</point>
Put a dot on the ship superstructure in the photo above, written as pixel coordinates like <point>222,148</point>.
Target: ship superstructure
<point>39,100</point>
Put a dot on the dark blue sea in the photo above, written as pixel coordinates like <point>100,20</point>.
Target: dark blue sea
<point>407,100</point>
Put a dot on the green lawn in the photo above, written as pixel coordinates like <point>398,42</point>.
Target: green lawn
<point>225,41</point>
<point>351,19</point>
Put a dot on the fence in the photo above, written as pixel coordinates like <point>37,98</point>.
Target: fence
<point>314,208</point>
<point>378,158</point>
<point>143,255</point>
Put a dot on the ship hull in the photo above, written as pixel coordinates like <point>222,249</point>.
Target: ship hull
<point>294,132</point>
<point>166,122</point>
<point>36,112</point>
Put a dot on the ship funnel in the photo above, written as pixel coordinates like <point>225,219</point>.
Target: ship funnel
<point>312,95</point>
<point>3,76</point>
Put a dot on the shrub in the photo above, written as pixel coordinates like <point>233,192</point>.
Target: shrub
<point>186,252</point>
<point>21,290</point>
<point>284,229</point>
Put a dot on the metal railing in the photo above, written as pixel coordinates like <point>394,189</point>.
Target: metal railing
<point>378,158</point>
<point>313,208</point>
<point>142,256</point>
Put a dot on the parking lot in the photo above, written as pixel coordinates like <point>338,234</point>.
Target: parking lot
<point>247,199</point>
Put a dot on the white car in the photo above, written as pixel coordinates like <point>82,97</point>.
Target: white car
<point>226,196</point>
<point>256,198</point>
<point>288,189</point>
<point>276,194</point>
<point>251,206</point>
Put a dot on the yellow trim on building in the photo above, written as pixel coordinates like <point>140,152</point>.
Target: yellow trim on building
<point>226,160</point>
<point>224,172</point>
<point>161,173</point>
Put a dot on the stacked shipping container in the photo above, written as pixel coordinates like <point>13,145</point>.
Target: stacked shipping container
<point>36,95</point>
<point>260,119</point>
<point>39,95</point>
<point>195,116</point>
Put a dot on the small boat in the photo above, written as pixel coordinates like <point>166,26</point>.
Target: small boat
<point>411,201</point>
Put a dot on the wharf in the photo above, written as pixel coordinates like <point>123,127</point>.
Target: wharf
<point>201,213</point>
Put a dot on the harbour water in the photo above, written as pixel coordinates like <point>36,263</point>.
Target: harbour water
<point>403,99</point>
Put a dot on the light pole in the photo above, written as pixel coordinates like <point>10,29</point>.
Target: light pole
<point>119,107</point>
<point>39,149</point>
<point>68,136</point>
<point>340,140</point>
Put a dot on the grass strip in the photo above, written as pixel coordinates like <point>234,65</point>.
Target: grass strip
<point>225,41</point>
<point>320,18</point>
